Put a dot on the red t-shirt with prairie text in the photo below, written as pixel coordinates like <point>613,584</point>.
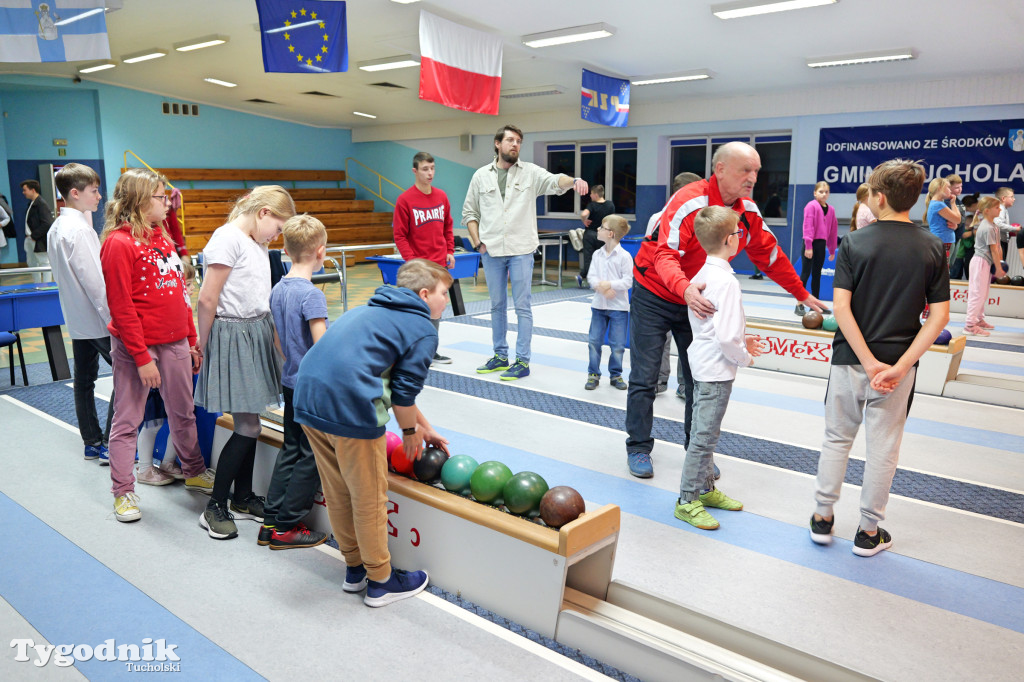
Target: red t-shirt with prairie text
<point>423,225</point>
<point>145,288</point>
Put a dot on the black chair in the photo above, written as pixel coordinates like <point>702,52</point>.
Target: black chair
<point>9,339</point>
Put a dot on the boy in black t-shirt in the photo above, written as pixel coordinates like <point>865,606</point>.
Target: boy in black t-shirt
<point>592,216</point>
<point>884,273</point>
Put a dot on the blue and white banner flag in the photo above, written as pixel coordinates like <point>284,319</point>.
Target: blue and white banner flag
<point>604,100</point>
<point>303,36</point>
<point>53,31</point>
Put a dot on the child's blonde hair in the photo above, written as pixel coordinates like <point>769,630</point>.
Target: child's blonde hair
<point>713,225</point>
<point>1003,191</point>
<point>188,271</point>
<point>934,187</point>
<point>420,273</point>
<point>862,194</point>
<point>821,183</point>
<point>273,197</point>
<point>984,204</point>
<point>132,194</point>
<point>303,235</point>
<point>617,224</point>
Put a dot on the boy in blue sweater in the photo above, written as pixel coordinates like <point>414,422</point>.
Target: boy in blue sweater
<point>373,358</point>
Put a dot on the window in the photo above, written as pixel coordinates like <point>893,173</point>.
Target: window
<point>611,164</point>
<point>771,193</point>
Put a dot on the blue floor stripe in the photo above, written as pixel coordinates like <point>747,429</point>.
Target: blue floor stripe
<point>980,598</point>
<point>997,369</point>
<point>87,603</point>
<point>923,427</point>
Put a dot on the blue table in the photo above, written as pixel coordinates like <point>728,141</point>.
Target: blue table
<point>26,306</point>
<point>466,265</point>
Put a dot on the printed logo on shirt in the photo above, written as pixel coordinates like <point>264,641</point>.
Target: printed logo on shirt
<point>422,216</point>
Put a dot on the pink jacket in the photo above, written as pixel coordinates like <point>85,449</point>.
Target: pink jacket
<point>820,225</point>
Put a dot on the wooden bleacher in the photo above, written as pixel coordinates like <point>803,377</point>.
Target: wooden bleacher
<point>349,221</point>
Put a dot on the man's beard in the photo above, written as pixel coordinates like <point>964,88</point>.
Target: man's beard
<point>511,157</point>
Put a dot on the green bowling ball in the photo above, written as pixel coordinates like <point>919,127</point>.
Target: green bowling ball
<point>830,324</point>
<point>523,491</point>
<point>488,481</point>
<point>456,472</point>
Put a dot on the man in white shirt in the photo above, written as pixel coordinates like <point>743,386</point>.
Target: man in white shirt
<point>501,215</point>
<point>720,345</point>
<point>74,253</point>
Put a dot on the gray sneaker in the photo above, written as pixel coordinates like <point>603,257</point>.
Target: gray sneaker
<point>592,381</point>
<point>218,521</point>
<point>800,310</point>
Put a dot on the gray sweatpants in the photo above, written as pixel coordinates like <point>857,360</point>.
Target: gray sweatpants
<point>848,401</point>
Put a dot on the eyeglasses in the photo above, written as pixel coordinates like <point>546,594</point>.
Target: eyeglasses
<point>162,197</point>
<point>740,233</point>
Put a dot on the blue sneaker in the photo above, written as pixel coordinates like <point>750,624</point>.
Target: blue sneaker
<point>401,585</point>
<point>355,579</point>
<point>517,371</point>
<point>93,452</point>
<point>105,456</point>
<point>640,464</point>
<point>495,364</point>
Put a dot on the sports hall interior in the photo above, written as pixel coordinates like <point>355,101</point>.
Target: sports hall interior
<point>945,602</point>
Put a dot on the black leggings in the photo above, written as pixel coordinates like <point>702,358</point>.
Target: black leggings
<point>812,266</point>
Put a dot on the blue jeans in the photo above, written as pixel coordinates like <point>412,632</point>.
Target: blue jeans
<point>518,270</point>
<point>710,398</point>
<point>614,323</point>
<point>650,319</point>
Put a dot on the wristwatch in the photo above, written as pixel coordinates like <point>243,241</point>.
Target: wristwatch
<point>411,431</point>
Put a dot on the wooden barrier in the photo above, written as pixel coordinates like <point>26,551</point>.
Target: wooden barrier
<point>808,352</point>
<point>507,564</point>
<point>249,175</point>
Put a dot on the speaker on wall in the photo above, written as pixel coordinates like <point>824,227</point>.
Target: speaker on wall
<point>465,142</point>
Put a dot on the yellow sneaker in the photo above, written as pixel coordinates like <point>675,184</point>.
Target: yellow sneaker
<point>126,508</point>
<point>202,483</point>
<point>719,500</point>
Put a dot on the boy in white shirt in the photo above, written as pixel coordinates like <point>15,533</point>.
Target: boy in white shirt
<point>610,276</point>
<point>720,345</point>
<point>73,249</point>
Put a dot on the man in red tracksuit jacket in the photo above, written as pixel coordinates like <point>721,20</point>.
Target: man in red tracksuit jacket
<point>661,285</point>
<point>423,223</point>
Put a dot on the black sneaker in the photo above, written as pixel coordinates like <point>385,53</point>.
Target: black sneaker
<point>592,381</point>
<point>401,585</point>
<point>757,275</point>
<point>660,388</point>
<point>249,508</point>
<point>263,539</point>
<point>296,538</point>
<point>821,531</point>
<point>441,359</point>
<point>218,522</point>
<point>619,383</point>
<point>870,545</point>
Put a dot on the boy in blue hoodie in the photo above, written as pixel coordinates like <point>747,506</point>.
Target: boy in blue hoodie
<point>373,358</point>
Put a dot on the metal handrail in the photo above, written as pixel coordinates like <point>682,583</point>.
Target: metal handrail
<point>380,181</point>
<point>344,270</point>
<point>181,213</point>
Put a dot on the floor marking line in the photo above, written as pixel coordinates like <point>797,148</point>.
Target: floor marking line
<point>39,413</point>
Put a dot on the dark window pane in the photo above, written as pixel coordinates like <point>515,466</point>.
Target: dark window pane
<point>689,159</point>
<point>771,193</point>
<point>623,192</point>
<point>562,162</point>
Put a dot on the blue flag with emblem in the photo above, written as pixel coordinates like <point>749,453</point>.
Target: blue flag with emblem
<point>604,100</point>
<point>53,31</point>
<point>303,36</point>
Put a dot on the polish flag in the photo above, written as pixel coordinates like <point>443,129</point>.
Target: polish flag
<point>459,67</point>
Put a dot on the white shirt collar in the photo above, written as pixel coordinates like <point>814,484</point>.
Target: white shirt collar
<point>719,262</point>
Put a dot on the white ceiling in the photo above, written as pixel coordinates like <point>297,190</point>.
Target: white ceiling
<point>764,54</point>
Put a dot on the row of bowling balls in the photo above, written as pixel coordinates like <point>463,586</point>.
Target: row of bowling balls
<point>1017,281</point>
<point>814,320</point>
<point>493,483</point>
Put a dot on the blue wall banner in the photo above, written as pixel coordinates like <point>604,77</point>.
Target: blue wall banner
<point>604,100</point>
<point>986,154</point>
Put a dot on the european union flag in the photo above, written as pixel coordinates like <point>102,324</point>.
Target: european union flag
<point>604,100</point>
<point>303,36</point>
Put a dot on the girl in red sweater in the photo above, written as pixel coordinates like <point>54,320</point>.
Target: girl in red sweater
<point>153,338</point>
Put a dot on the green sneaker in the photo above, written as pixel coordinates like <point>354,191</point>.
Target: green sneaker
<point>695,515</point>
<point>719,500</point>
<point>495,364</point>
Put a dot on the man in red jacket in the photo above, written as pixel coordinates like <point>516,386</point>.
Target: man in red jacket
<point>423,223</point>
<point>662,294</point>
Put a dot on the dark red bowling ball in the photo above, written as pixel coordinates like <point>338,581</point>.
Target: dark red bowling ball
<point>428,467</point>
<point>560,505</point>
<point>813,320</point>
<point>1003,280</point>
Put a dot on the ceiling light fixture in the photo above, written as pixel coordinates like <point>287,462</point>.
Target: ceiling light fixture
<point>200,43</point>
<point>359,113</point>
<point>749,8</point>
<point>568,35</point>
<point>405,2</point>
<point>98,66</point>
<point>143,56</point>
<point>217,81</point>
<point>863,58</point>
<point>539,91</point>
<point>696,75</point>
<point>386,64</point>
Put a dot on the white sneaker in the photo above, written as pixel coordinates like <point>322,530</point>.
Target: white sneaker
<point>576,238</point>
<point>126,508</point>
